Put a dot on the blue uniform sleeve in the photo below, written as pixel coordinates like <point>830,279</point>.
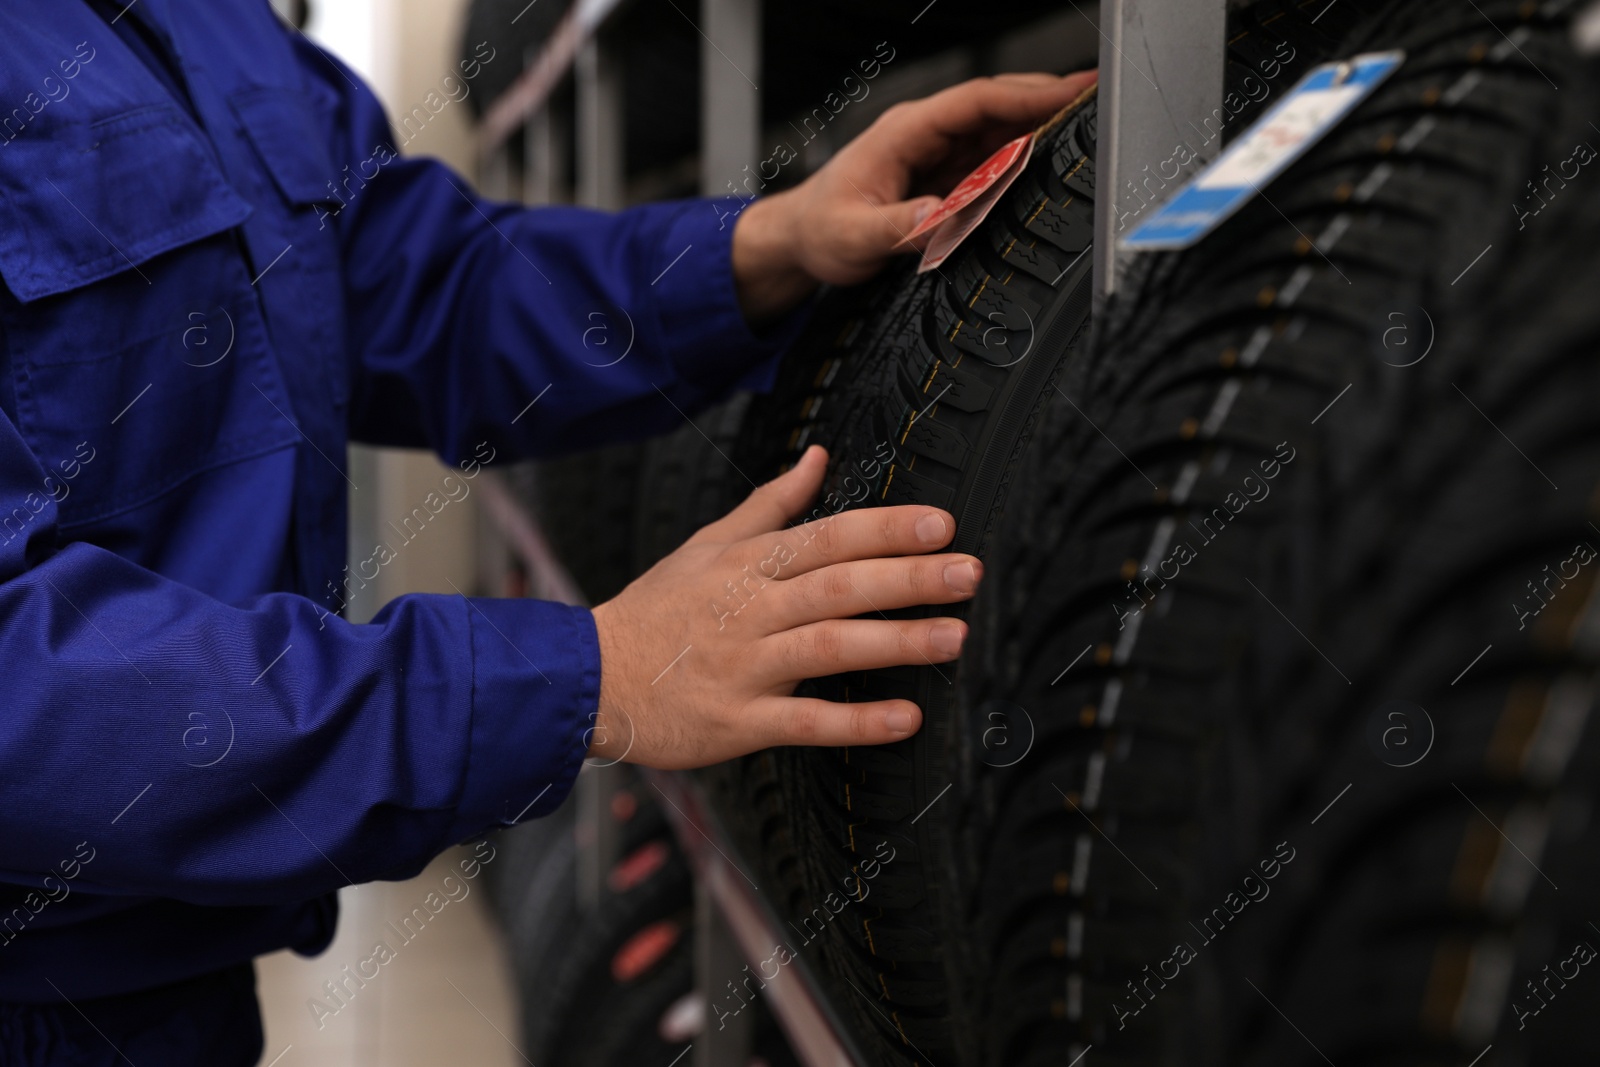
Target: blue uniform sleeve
<point>542,330</point>
<point>268,751</point>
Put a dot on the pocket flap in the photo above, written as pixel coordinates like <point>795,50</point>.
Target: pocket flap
<point>284,131</point>
<point>91,201</point>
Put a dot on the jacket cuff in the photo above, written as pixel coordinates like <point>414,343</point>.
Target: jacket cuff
<point>535,689</point>
<point>706,335</point>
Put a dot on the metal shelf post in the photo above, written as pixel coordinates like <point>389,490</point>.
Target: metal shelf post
<point>1161,65</point>
<point>730,93</point>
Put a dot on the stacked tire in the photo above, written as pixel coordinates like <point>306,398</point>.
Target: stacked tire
<point>1247,760</point>
<point>607,982</point>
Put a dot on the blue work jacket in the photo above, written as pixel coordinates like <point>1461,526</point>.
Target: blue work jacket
<point>214,276</point>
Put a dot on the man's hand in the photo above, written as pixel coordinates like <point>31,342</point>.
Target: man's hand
<point>842,224</point>
<point>699,656</point>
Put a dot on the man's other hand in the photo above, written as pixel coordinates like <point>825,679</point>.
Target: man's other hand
<point>842,224</point>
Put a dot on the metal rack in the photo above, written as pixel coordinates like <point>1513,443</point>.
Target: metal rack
<point>1161,65</point>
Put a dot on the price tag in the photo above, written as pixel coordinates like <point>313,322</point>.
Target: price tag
<point>1285,133</point>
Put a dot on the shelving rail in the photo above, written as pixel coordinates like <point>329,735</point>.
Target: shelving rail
<point>1161,64</point>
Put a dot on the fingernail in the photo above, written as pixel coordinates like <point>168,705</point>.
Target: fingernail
<point>930,530</point>
<point>961,577</point>
<point>946,638</point>
<point>899,721</point>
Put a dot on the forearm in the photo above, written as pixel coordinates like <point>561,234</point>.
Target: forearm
<point>234,755</point>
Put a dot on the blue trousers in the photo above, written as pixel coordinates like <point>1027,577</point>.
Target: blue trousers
<point>210,1021</point>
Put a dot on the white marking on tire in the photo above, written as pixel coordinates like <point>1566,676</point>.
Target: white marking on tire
<point>1094,778</point>
<point>1373,182</point>
<point>1295,286</point>
<point>1461,87</point>
<point>1220,408</point>
<point>1335,230</point>
<point>1080,864</point>
<point>1417,133</point>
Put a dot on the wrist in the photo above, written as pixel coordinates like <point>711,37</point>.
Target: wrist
<point>767,273</point>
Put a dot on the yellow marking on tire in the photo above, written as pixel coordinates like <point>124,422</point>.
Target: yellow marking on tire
<point>1447,980</point>
<point>847,806</point>
<point>866,925</point>
<point>1042,205</point>
<point>981,287</point>
<point>931,374</point>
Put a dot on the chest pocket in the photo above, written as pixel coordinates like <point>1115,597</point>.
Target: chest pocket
<point>297,203</point>
<point>130,324</point>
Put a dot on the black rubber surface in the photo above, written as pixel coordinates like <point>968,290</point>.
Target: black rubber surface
<point>599,986</point>
<point>923,395</point>
<point>562,952</point>
<point>926,390</point>
<point>1302,789</point>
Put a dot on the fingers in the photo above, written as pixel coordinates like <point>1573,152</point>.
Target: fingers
<point>921,133</point>
<point>772,506</point>
<point>869,533</point>
<point>841,645</point>
<point>898,220</point>
<point>802,721</point>
<point>847,589</point>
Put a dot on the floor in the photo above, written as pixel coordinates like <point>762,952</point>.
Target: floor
<point>441,996</point>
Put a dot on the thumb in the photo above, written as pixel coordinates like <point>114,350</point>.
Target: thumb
<point>772,505</point>
<point>902,218</point>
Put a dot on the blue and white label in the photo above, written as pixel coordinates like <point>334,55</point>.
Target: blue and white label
<point>1285,133</point>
